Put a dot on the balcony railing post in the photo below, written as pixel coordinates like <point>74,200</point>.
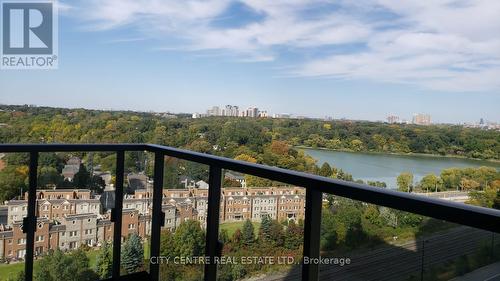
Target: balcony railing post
<point>154,268</point>
<point>29,223</point>
<point>312,228</point>
<point>212,238</point>
<point>117,214</point>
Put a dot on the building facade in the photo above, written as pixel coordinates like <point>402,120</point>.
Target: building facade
<point>69,219</point>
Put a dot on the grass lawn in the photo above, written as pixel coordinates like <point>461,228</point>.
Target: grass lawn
<point>147,250</point>
<point>231,227</point>
<point>11,270</point>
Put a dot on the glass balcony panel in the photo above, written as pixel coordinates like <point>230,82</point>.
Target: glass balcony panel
<point>136,212</point>
<point>261,228</point>
<point>185,205</point>
<point>74,232</point>
<point>361,241</point>
<point>14,171</point>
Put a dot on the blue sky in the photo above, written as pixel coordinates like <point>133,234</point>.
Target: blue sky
<point>355,59</point>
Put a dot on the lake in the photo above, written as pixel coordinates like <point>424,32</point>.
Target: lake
<point>386,167</point>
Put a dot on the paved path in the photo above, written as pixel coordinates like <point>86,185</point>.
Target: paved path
<point>455,196</point>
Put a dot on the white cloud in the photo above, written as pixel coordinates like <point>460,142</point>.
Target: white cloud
<point>451,45</point>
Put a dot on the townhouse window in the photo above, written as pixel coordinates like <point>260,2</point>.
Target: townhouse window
<point>39,238</point>
<point>131,226</point>
<point>10,241</point>
<point>21,241</point>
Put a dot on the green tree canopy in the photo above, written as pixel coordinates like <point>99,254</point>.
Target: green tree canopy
<point>405,182</point>
<point>248,235</point>
<point>132,254</point>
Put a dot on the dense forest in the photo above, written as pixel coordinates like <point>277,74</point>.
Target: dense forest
<point>258,140</point>
<point>233,136</point>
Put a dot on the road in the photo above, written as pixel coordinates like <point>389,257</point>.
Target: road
<point>455,196</point>
<point>399,262</point>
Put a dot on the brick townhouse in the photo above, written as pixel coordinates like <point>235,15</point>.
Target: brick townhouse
<point>170,213</point>
<point>13,240</point>
<point>56,209</point>
<point>80,230</point>
<point>69,218</point>
<point>238,208</point>
<point>61,193</point>
<point>16,210</point>
<point>132,223</point>
<point>291,207</point>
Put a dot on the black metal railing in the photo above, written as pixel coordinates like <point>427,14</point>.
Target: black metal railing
<point>482,218</point>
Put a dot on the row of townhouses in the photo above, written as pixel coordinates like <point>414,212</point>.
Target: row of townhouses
<point>69,218</point>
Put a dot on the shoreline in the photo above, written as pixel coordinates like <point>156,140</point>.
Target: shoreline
<point>494,161</point>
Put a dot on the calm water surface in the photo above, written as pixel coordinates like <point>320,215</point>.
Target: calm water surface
<point>386,167</point>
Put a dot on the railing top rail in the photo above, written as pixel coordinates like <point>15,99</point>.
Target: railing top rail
<point>484,218</point>
<point>56,147</point>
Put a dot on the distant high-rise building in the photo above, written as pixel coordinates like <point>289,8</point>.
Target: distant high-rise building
<point>214,111</point>
<point>252,112</point>
<point>281,115</point>
<point>231,110</point>
<point>481,121</point>
<point>421,119</point>
<point>392,119</point>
